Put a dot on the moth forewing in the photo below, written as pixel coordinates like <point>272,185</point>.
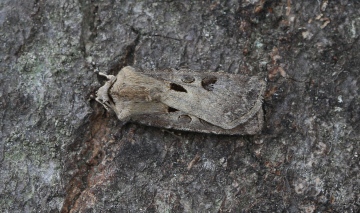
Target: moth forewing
<point>209,102</point>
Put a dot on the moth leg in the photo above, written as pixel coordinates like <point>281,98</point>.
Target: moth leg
<point>105,104</point>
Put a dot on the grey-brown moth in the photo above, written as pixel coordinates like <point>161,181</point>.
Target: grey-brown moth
<point>210,102</point>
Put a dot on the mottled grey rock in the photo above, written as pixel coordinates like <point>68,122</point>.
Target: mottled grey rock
<point>62,152</point>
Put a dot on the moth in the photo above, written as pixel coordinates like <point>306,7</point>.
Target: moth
<point>209,102</point>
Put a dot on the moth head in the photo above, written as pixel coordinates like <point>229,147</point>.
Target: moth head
<point>102,94</point>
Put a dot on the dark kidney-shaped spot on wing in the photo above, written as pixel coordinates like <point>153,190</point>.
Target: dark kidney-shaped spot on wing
<point>170,109</point>
<point>177,87</point>
<point>208,83</point>
<point>187,79</point>
<point>184,119</point>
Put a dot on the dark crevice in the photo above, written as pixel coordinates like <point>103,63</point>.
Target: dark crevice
<point>85,153</point>
<point>36,17</point>
<point>89,11</point>
<point>77,163</point>
<point>129,58</point>
<point>177,87</point>
<point>84,145</point>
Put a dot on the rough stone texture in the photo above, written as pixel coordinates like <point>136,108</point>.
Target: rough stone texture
<point>60,152</point>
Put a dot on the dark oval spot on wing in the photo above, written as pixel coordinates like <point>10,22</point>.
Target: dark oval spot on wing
<point>177,87</point>
<point>187,79</point>
<point>208,83</point>
<point>184,119</point>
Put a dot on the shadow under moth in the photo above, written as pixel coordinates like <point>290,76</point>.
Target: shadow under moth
<point>210,102</point>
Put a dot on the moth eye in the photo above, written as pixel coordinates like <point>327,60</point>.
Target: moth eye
<point>187,79</point>
<point>170,109</point>
<point>184,119</point>
<point>177,87</point>
<point>208,82</point>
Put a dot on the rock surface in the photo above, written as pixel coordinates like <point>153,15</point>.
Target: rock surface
<point>62,152</point>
